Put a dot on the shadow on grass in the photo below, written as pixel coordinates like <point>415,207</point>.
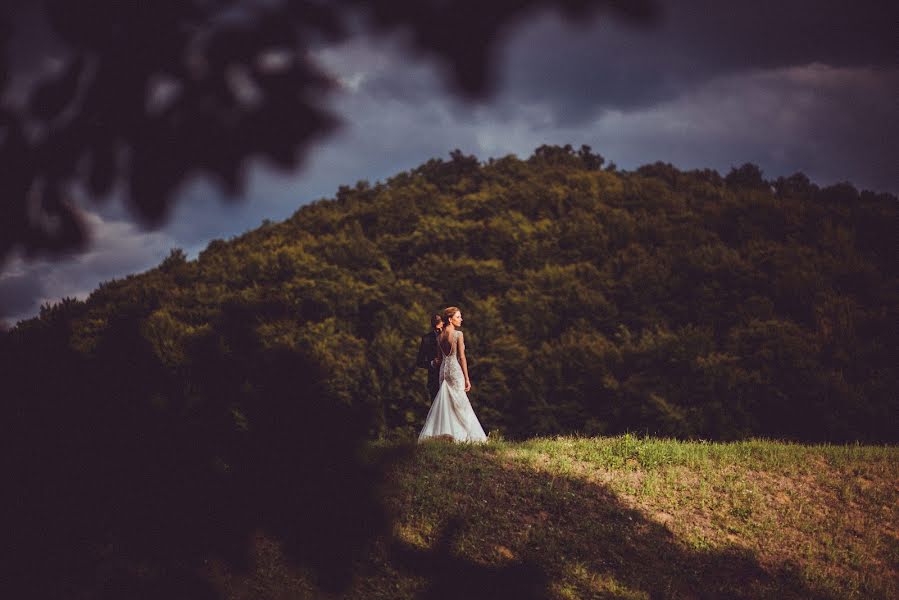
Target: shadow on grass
<point>564,523</point>
<point>450,576</point>
<point>125,486</point>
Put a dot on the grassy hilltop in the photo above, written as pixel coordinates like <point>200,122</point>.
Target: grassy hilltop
<point>621,517</point>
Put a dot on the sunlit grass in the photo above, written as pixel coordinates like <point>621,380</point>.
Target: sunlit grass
<point>645,453</point>
<point>639,517</point>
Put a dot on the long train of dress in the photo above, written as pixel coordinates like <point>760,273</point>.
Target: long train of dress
<point>451,413</point>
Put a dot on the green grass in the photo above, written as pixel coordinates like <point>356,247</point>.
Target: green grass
<point>621,517</point>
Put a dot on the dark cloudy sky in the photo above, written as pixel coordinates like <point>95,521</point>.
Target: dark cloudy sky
<point>791,85</point>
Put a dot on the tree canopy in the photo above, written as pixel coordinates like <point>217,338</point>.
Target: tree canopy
<point>597,301</point>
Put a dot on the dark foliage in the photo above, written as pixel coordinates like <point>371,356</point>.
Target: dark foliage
<point>154,93</point>
<point>130,468</point>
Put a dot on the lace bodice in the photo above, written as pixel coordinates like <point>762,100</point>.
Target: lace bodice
<point>450,369</point>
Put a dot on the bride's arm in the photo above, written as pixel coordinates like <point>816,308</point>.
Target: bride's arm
<point>463,362</point>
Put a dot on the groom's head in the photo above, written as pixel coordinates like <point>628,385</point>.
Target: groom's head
<point>436,322</point>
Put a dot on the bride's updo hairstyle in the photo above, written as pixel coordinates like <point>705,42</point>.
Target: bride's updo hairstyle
<point>448,313</point>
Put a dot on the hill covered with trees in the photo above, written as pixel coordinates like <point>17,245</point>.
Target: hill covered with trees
<point>596,301</point>
<point>175,414</point>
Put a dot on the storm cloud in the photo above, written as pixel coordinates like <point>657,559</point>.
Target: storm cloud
<point>605,65</point>
<point>118,249</point>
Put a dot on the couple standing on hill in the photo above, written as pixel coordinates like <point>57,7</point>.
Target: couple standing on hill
<point>442,353</point>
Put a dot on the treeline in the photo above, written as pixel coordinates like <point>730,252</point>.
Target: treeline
<point>599,301</point>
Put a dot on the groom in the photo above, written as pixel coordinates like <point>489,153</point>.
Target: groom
<point>427,355</point>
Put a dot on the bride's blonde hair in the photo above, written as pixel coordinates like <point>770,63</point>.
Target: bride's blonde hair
<point>448,313</point>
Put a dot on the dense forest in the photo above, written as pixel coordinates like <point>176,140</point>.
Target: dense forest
<point>598,301</point>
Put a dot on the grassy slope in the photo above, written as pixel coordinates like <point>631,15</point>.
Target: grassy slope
<point>621,517</point>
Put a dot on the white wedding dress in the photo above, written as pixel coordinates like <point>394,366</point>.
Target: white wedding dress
<point>451,413</point>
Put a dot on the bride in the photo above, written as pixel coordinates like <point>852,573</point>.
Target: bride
<point>451,414</point>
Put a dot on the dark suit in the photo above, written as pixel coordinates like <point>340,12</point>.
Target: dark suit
<point>426,353</point>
